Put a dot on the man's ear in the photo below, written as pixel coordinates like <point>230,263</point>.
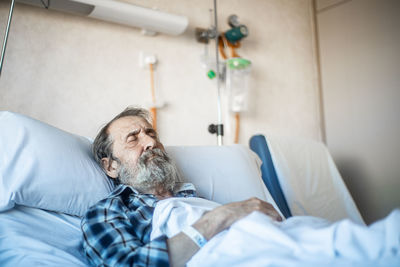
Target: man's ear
<point>111,169</point>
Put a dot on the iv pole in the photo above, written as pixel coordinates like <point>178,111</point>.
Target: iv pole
<point>219,128</point>
<point>3,50</point>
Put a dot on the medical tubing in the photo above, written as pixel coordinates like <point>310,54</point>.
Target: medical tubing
<point>153,93</point>
<point>222,43</point>
<point>237,127</point>
<point>3,50</point>
<point>153,109</point>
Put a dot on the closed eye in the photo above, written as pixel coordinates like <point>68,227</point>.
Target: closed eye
<point>151,132</point>
<point>132,136</point>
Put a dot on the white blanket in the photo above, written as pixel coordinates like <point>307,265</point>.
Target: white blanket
<point>256,240</point>
<point>173,214</point>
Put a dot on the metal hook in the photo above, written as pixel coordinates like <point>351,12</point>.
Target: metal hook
<point>44,4</point>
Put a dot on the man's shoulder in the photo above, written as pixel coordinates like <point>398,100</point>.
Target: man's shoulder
<point>114,201</point>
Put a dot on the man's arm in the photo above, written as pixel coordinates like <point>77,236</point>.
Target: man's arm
<point>114,236</point>
<point>181,248</point>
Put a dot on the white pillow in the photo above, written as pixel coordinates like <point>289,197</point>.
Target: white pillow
<point>222,173</point>
<point>44,167</point>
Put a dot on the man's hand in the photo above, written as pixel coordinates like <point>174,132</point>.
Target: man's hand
<point>224,216</point>
<point>181,248</point>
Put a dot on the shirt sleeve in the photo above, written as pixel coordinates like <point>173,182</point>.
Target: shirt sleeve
<point>110,238</point>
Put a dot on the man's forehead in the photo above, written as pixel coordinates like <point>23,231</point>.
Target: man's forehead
<point>127,124</point>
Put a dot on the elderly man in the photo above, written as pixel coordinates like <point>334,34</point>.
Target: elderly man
<point>117,229</point>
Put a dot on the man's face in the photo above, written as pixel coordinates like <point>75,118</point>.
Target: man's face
<point>131,137</point>
<point>143,162</point>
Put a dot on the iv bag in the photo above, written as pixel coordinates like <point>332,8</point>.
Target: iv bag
<point>237,83</point>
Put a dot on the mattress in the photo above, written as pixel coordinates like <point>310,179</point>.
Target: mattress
<point>35,237</point>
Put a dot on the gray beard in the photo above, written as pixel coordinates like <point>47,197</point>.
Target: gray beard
<point>154,171</point>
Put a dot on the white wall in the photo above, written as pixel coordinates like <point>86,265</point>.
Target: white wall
<point>360,60</point>
<point>77,73</point>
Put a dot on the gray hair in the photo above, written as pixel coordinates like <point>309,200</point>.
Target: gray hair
<point>102,145</point>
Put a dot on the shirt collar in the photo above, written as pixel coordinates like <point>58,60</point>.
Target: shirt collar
<point>182,187</point>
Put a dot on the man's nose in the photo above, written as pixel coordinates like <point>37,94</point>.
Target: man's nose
<point>148,142</point>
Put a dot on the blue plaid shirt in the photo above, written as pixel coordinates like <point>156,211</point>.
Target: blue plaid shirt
<point>116,231</point>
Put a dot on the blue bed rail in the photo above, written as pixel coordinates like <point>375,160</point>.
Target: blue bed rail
<point>259,145</point>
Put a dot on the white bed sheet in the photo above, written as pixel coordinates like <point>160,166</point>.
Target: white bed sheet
<point>35,237</point>
<point>298,241</point>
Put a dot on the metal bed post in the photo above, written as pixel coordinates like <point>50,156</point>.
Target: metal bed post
<point>219,126</point>
<point>3,50</point>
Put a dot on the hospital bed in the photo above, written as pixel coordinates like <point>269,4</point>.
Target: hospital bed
<point>303,179</point>
<point>49,179</point>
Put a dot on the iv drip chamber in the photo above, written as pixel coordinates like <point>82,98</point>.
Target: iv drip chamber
<point>237,83</point>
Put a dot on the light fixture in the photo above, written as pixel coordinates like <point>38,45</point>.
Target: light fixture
<point>119,12</point>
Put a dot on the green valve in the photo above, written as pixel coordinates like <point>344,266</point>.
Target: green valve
<point>238,63</point>
<point>211,74</point>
